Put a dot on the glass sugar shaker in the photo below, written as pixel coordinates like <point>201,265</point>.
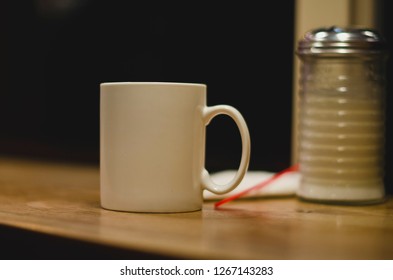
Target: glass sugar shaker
<point>342,115</point>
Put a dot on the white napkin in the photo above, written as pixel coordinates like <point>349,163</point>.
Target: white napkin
<point>287,184</point>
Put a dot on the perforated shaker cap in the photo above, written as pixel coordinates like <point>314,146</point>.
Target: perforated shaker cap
<point>341,40</point>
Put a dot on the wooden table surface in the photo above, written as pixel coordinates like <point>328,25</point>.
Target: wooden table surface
<point>63,200</point>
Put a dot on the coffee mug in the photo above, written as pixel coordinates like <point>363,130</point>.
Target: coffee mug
<point>152,146</point>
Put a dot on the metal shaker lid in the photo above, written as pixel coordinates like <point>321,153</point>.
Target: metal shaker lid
<point>341,40</point>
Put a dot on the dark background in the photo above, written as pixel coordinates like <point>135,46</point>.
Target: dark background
<point>54,54</point>
<point>55,57</point>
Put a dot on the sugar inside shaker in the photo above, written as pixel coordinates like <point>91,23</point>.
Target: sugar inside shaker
<point>341,109</point>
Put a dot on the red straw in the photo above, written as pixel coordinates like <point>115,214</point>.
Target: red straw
<point>258,186</point>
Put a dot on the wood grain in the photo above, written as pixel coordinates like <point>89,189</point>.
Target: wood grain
<point>63,200</point>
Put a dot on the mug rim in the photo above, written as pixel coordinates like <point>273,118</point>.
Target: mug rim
<point>152,83</point>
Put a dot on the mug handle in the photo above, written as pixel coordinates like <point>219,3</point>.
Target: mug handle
<point>208,114</point>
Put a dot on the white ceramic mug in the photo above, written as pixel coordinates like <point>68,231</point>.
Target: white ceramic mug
<point>152,146</point>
